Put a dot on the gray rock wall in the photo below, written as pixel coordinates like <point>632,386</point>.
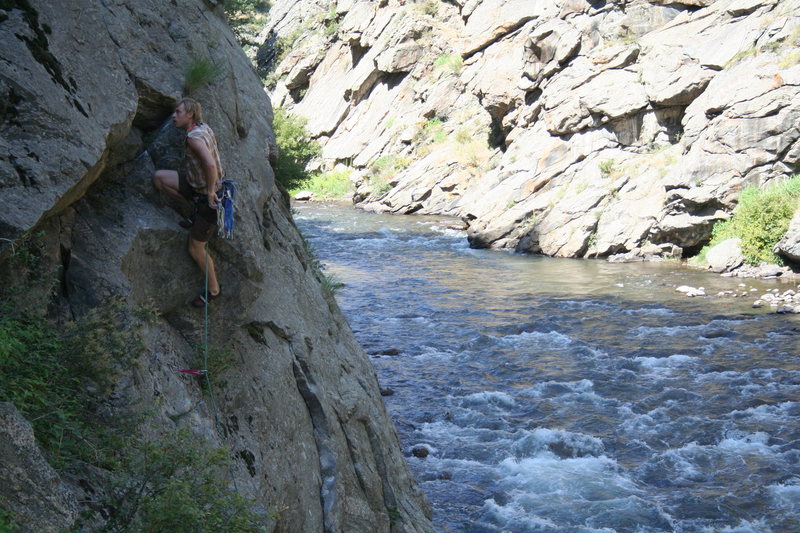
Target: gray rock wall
<point>571,128</point>
<point>86,88</point>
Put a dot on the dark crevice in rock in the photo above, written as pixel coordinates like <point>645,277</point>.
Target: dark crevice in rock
<point>357,52</point>
<point>393,79</point>
<point>532,96</point>
<point>9,111</point>
<point>249,461</point>
<point>39,46</point>
<point>327,458</point>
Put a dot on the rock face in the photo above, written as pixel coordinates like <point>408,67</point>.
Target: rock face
<point>570,128</point>
<point>31,488</point>
<point>86,88</point>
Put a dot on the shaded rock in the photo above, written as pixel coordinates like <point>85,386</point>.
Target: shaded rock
<point>420,451</point>
<point>31,488</point>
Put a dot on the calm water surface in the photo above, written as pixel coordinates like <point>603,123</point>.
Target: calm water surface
<point>571,396</point>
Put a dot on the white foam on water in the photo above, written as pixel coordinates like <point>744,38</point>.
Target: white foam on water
<point>496,399</point>
<point>575,478</point>
<point>741,443</point>
<point>567,392</point>
<point>785,497</point>
<point>512,516</point>
<point>551,339</point>
<point>544,440</point>
<point>671,362</point>
<point>745,526</point>
<point>765,413</point>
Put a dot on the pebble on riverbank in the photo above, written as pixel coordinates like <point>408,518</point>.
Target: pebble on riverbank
<point>784,303</point>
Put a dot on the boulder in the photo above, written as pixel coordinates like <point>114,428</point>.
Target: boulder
<point>789,246</point>
<point>725,256</point>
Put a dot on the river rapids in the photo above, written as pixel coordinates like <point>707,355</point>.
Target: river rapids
<point>556,395</point>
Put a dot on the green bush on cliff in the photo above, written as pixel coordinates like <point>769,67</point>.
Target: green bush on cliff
<point>295,148</point>
<point>201,72</point>
<point>55,374</point>
<point>761,218</point>
<point>177,483</point>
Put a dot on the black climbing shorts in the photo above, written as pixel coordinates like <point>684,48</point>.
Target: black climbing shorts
<point>205,218</point>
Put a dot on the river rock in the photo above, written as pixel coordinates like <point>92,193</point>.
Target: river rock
<point>304,196</point>
<point>691,291</point>
<point>725,256</point>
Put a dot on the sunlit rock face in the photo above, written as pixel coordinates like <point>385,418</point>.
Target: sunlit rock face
<point>87,89</point>
<point>572,128</point>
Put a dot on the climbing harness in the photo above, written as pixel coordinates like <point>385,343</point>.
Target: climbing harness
<point>227,196</point>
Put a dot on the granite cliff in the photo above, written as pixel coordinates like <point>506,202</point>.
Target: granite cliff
<point>573,128</point>
<point>86,91</point>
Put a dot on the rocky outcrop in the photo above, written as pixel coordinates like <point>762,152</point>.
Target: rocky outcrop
<point>789,246</point>
<point>569,128</point>
<point>32,489</point>
<point>87,89</point>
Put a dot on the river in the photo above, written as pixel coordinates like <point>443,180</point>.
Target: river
<point>557,395</point>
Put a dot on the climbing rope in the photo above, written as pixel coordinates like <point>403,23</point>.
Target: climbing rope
<point>204,371</point>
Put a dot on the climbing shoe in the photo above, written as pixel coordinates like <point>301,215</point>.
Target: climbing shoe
<point>201,301</point>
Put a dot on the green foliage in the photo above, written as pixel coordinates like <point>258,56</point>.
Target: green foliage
<point>296,148</point>
<point>433,130</point>
<point>327,185</point>
<point>177,483</point>
<point>7,522</point>
<point>55,376</point>
<point>449,63</point>
<point>330,285</point>
<point>606,167</point>
<point>463,136</point>
<point>383,170</point>
<point>431,7</point>
<point>201,72</point>
<point>219,360</point>
<point>246,18</point>
<point>761,218</point>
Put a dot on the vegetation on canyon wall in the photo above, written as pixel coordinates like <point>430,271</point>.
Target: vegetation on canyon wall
<point>60,376</point>
<point>760,220</point>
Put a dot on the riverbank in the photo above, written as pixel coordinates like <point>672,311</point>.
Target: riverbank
<point>769,288</point>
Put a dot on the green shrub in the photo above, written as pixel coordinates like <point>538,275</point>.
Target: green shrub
<point>760,219</point>
<point>201,72</point>
<point>327,185</point>
<point>55,376</point>
<point>246,17</point>
<point>7,522</point>
<point>295,148</point>
<point>449,63</point>
<point>177,483</point>
<point>330,285</point>
<point>606,167</point>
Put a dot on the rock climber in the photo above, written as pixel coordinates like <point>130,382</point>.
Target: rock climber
<point>195,186</point>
